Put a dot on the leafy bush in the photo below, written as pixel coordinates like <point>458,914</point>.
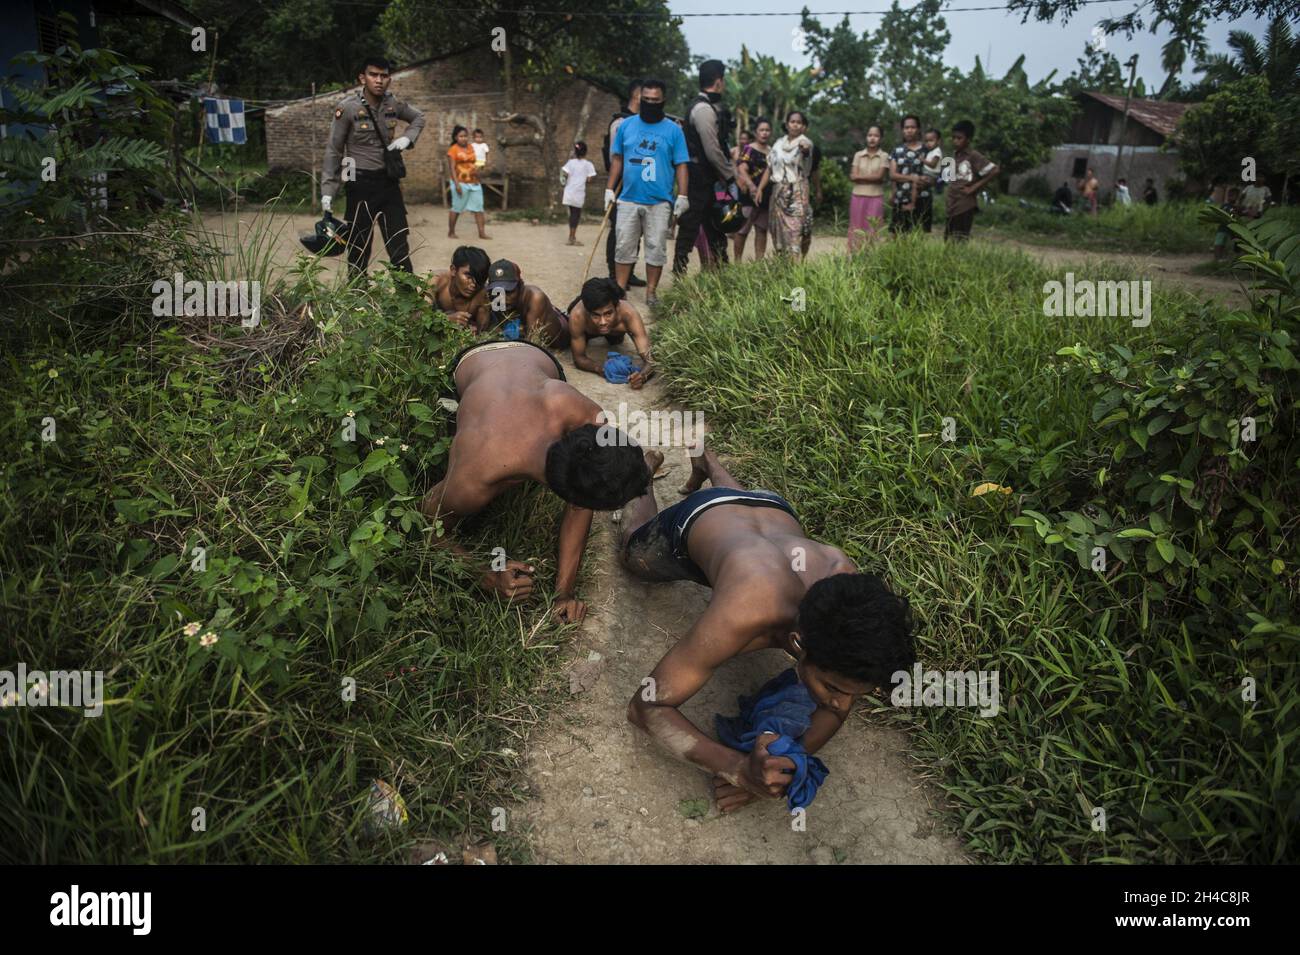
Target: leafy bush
<point>98,148</point>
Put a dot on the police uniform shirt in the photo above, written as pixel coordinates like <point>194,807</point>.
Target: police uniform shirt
<point>353,131</point>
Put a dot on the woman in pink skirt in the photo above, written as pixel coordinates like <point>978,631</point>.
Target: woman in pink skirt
<point>867,206</point>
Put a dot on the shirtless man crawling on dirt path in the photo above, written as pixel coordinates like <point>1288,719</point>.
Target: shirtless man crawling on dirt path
<point>845,630</point>
<point>461,291</point>
<point>518,420</point>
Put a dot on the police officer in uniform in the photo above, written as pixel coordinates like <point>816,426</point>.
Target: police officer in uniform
<point>707,126</point>
<point>373,195</point>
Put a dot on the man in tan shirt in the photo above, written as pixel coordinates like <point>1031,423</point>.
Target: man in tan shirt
<point>372,195</point>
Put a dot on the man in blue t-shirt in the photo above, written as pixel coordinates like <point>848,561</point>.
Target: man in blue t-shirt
<point>653,151</point>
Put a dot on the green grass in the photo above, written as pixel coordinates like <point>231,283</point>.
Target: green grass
<point>319,568</point>
<point>1165,227</point>
<point>1107,701</point>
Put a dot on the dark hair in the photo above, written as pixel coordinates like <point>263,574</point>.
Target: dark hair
<point>710,72</point>
<point>457,131</point>
<point>599,292</point>
<point>935,131</point>
<point>760,121</point>
<point>600,471</point>
<point>851,624</point>
<point>653,84</point>
<point>965,127</point>
<point>802,115</point>
<point>912,116</point>
<point>479,132</point>
<point>476,259</point>
<point>878,128</point>
<point>378,61</point>
<point>632,87</point>
<point>580,148</point>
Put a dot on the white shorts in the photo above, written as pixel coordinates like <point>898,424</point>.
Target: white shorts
<point>648,224</point>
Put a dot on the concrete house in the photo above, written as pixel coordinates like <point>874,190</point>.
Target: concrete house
<point>465,88</point>
<point>1095,139</point>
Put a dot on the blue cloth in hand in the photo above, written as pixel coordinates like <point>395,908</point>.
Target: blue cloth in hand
<point>511,329</point>
<point>782,706</point>
<point>619,368</point>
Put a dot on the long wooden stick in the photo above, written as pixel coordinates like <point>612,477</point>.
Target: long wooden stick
<point>596,244</point>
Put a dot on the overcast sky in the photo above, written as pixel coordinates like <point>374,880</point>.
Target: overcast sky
<point>994,35</point>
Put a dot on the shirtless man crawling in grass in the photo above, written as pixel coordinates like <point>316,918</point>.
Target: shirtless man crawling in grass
<point>519,420</point>
<point>461,291</point>
<point>773,587</point>
<point>603,309</point>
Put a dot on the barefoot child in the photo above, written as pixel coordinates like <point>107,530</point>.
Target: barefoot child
<point>574,176</point>
<point>773,587</point>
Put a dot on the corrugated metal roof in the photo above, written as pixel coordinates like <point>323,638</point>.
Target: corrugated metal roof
<point>1159,115</point>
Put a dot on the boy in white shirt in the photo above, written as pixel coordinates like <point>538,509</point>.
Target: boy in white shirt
<point>574,175</point>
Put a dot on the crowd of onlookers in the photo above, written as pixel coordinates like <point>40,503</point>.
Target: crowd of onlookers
<point>682,178</point>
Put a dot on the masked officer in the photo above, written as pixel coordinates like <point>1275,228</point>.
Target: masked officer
<point>365,124</point>
<point>706,141</point>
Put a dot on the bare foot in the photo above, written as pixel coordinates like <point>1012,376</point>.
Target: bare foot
<point>699,467</point>
<point>452,235</point>
<point>484,235</point>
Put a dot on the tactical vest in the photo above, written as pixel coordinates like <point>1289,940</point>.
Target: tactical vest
<point>701,167</point>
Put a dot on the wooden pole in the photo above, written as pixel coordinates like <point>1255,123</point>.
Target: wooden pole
<point>203,116</point>
<point>314,153</point>
<point>1123,129</point>
<point>604,219</point>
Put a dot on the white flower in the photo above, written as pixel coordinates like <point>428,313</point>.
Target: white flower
<point>352,414</point>
<point>193,628</point>
<point>406,447</point>
<point>208,639</point>
<point>380,440</point>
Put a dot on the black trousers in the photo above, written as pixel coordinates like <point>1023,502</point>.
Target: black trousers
<point>959,226</point>
<point>700,196</point>
<point>925,213</point>
<point>374,199</point>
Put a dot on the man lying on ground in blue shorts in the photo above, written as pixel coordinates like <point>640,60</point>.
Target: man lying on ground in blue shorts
<point>772,588</point>
<point>518,420</point>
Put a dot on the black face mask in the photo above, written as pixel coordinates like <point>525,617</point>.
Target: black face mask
<point>714,97</point>
<point>652,112</point>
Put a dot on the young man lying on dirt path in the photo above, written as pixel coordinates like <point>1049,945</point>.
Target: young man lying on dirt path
<point>772,587</point>
<point>603,309</point>
<point>461,291</point>
<point>519,420</point>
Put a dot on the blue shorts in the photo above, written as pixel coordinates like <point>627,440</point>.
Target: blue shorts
<point>657,549</point>
<point>469,200</point>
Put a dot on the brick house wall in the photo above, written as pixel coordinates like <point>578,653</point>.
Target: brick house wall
<point>466,90</point>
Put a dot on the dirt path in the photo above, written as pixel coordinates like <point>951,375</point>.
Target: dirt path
<point>602,792</point>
